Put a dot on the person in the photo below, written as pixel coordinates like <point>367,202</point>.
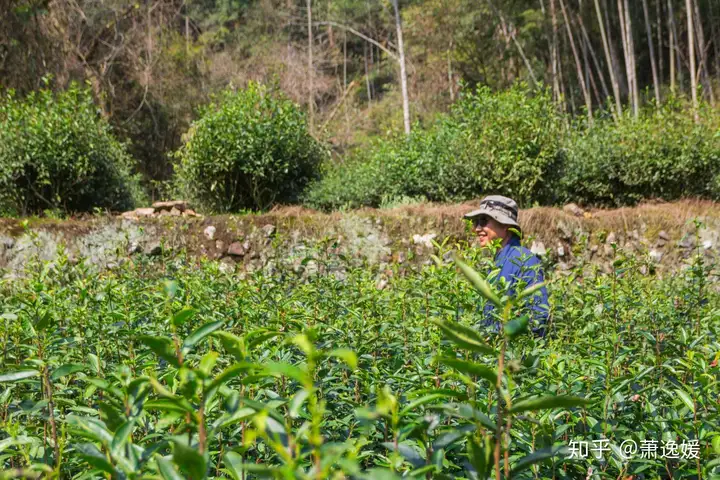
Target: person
<point>497,221</point>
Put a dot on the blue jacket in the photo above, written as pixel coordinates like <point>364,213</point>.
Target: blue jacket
<point>518,264</point>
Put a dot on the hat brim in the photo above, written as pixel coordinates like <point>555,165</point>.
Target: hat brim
<point>495,215</point>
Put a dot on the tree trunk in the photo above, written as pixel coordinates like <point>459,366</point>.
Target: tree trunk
<point>403,71</point>
<point>715,38</point>
<point>581,78</point>
<point>702,51</point>
<point>691,56</point>
<point>554,53</point>
<point>651,48</point>
<point>451,87</point>
<point>676,46</point>
<point>311,88</point>
<point>367,73</point>
<point>660,56</point>
<point>609,60</point>
<point>626,27</point>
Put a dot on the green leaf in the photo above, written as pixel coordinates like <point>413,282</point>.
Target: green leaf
<point>170,405</point>
<point>716,444</point>
<point>92,455</point>
<point>346,355</point>
<point>167,469</point>
<point>460,337</point>
<point>470,368</point>
<point>530,291</point>
<point>292,371</point>
<point>686,399</point>
<point>516,326</point>
<point>66,370</point>
<point>538,456</point>
<point>183,316</point>
<point>226,375</point>
<point>199,334</point>
<point>233,464</point>
<point>480,284</point>
<point>421,401</point>
<point>162,347</point>
<point>233,344</point>
<point>92,428</point>
<point>121,436</point>
<point>189,460</point>
<point>542,403</point>
<point>19,375</point>
<point>296,402</point>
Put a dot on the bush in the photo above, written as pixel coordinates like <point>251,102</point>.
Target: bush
<point>58,154</point>
<point>249,149</point>
<point>490,142</point>
<point>663,154</point>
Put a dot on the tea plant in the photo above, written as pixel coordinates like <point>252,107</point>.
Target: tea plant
<point>167,368</point>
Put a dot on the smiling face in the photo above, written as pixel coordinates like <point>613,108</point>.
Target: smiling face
<point>488,229</point>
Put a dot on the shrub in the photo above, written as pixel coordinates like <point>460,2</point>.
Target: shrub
<point>249,149</point>
<point>58,154</point>
<point>490,142</point>
<point>663,154</point>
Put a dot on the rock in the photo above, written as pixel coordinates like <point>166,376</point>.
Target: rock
<point>594,249</point>
<point>220,246</point>
<point>607,250</point>
<point>563,267</point>
<point>180,205</point>
<point>381,284</point>
<point>236,249</point>
<point>687,242</point>
<point>268,230</point>
<point>664,236</point>
<point>209,232</point>
<point>190,213</point>
<point>131,215</point>
<point>612,238</point>
<point>707,244</point>
<point>538,248</point>
<point>144,212</point>
<point>153,249</point>
<point>163,213</point>
<point>564,230</point>
<point>561,251</point>
<point>175,212</point>
<point>655,255</point>
<point>133,247</point>
<point>573,209</point>
<point>226,265</point>
<point>425,240</point>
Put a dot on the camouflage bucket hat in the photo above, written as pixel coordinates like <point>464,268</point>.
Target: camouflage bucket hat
<point>502,209</point>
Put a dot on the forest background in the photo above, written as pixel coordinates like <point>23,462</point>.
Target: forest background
<point>595,101</point>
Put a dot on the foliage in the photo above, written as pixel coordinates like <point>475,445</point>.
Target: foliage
<point>172,369</point>
<point>491,142</point>
<point>57,153</point>
<point>663,154</point>
<point>249,149</point>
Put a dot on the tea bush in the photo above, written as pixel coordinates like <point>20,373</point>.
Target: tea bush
<point>250,149</point>
<point>58,154</point>
<point>663,154</point>
<point>170,369</point>
<point>490,142</point>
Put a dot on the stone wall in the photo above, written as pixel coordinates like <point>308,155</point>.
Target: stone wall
<point>665,234</point>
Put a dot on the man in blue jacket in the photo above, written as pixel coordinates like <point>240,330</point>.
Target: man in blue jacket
<point>497,221</point>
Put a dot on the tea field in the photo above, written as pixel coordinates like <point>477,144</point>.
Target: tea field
<point>172,368</point>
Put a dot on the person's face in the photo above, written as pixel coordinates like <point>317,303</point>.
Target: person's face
<point>488,229</point>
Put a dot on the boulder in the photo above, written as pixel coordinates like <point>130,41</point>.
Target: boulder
<point>180,205</point>
<point>209,232</point>
<point>236,249</point>
<point>268,230</point>
<point>573,209</point>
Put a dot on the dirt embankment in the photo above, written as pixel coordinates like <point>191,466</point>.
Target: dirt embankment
<point>665,232</point>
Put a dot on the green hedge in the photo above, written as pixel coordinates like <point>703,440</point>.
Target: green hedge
<point>663,154</point>
<point>506,142</point>
<point>57,154</point>
<point>249,150</point>
<point>515,143</point>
